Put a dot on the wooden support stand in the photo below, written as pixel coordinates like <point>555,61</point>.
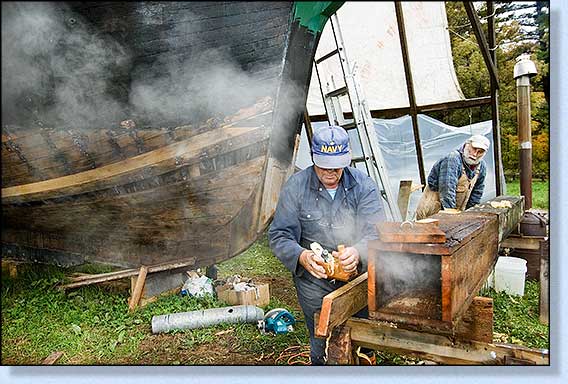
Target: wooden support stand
<point>457,331</point>
<point>470,343</point>
<point>147,283</point>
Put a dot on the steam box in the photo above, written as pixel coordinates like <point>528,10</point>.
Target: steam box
<point>432,284</point>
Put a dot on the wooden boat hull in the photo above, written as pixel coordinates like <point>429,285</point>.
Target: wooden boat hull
<point>126,182</point>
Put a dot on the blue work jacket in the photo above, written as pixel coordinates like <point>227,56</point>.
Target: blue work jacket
<point>306,213</point>
<point>445,174</point>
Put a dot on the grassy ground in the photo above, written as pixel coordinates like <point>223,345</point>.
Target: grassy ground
<point>540,194</point>
<point>92,325</point>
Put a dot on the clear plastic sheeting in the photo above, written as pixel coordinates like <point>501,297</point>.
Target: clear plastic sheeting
<point>396,140</point>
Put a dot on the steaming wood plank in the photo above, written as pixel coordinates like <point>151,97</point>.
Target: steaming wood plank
<point>390,232</point>
<point>340,348</point>
<point>438,348</point>
<point>341,304</point>
<point>137,292</point>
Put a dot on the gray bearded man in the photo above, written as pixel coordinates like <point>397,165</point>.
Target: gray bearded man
<point>457,180</point>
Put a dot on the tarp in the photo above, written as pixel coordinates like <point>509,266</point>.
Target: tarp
<point>396,141</point>
<point>372,44</point>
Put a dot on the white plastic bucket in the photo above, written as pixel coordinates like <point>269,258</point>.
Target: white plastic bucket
<point>510,275</point>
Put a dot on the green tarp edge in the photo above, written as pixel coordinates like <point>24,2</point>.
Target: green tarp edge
<point>314,14</point>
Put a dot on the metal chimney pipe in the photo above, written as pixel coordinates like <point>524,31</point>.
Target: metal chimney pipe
<point>523,71</point>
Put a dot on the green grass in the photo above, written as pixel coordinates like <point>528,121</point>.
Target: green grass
<point>92,325</point>
<point>516,317</point>
<point>540,195</point>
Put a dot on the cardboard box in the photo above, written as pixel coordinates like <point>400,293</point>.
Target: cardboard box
<point>259,296</point>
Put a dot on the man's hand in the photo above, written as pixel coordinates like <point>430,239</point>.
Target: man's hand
<point>309,261</point>
<point>348,258</point>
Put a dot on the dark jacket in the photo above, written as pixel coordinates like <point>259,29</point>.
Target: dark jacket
<point>445,174</point>
<point>306,213</point>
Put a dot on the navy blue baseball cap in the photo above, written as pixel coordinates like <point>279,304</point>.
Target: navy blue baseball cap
<point>330,147</point>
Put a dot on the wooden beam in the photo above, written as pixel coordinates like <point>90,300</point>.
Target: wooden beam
<point>467,103</point>
<point>477,322</point>
<point>410,89</point>
<point>397,112</point>
<point>341,304</point>
<point>138,287</point>
<point>438,348</point>
<point>93,279</point>
<point>494,100</point>
<point>475,23</point>
<point>521,242</point>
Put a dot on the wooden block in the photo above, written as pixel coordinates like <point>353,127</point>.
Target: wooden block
<point>408,232</point>
<point>477,322</point>
<point>339,347</point>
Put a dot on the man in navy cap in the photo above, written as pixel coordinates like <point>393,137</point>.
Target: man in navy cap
<point>330,203</point>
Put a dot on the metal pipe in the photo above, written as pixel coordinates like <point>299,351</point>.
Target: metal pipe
<point>206,318</point>
<point>523,71</point>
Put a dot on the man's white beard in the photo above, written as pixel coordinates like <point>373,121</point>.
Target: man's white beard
<point>468,160</point>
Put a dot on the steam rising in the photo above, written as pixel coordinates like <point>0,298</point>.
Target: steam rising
<point>56,70</point>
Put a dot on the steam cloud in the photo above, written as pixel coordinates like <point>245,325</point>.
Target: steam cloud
<point>56,69</point>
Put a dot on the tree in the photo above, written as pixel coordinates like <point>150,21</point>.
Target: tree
<point>520,28</point>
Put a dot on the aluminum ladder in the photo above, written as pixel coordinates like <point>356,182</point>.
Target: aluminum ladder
<point>362,121</point>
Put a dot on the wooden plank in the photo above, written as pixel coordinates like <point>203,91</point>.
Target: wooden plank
<point>438,348</point>
<point>52,358</point>
<point>137,292</point>
<point>404,190</point>
<point>521,242</point>
<point>414,232</point>
<point>341,304</point>
<point>88,280</point>
<point>339,347</point>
